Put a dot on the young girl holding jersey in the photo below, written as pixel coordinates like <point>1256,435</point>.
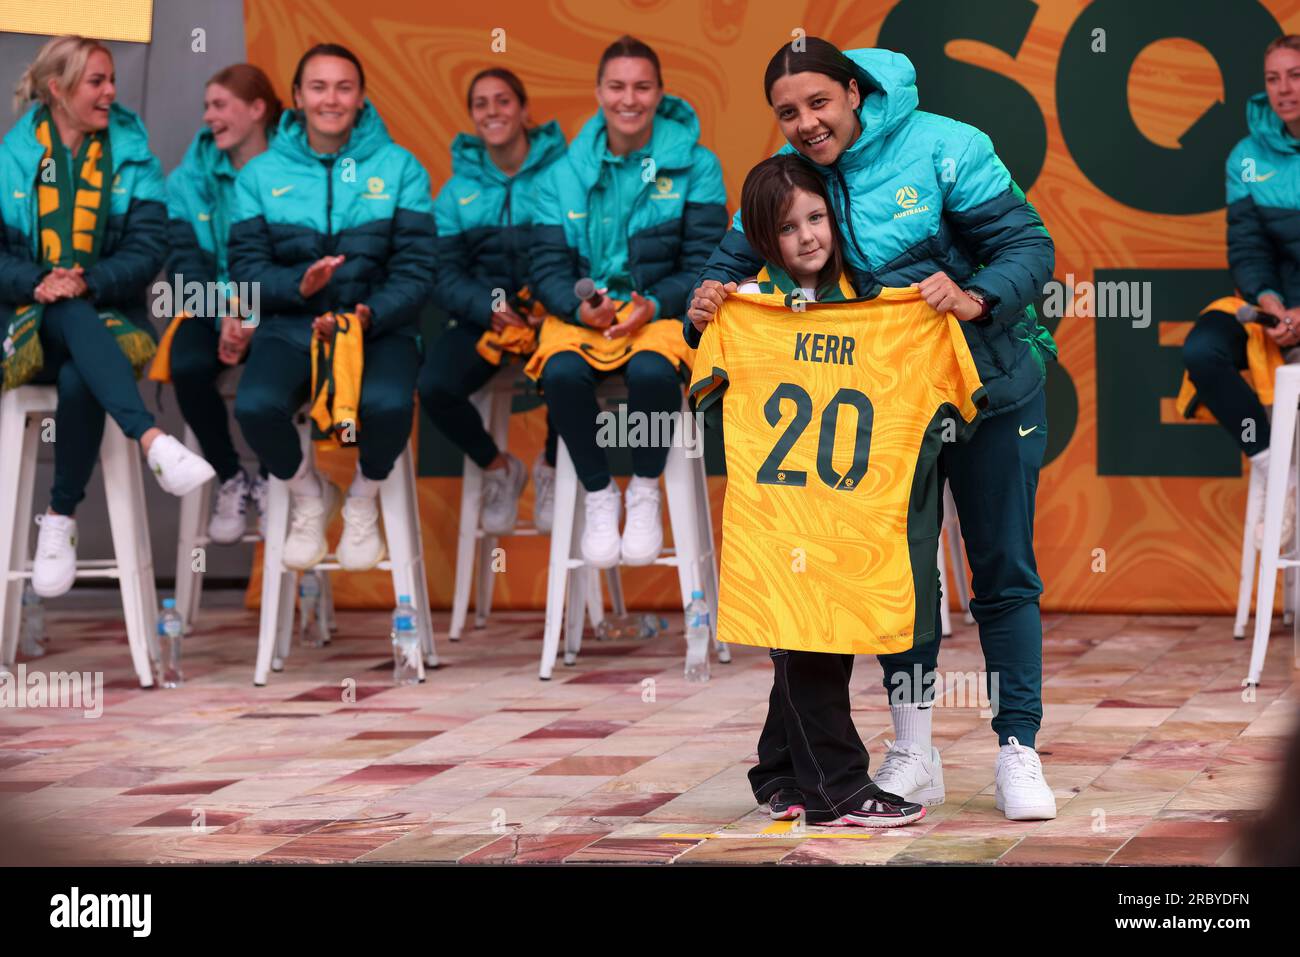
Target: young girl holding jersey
<point>810,757</point>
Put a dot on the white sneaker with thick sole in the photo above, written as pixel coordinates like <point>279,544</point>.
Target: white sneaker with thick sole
<point>601,543</point>
<point>228,521</point>
<point>309,516</point>
<point>543,495</point>
<point>257,492</point>
<point>1021,792</point>
<point>643,534</point>
<point>911,773</point>
<point>501,488</point>
<point>361,546</point>
<point>178,470</point>
<point>55,567</point>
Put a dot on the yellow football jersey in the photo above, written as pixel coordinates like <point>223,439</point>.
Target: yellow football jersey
<point>834,415</point>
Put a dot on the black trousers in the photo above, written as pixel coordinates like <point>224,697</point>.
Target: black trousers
<point>809,741</point>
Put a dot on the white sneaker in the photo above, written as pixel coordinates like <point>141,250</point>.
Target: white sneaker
<point>1021,792</point>
<point>257,492</point>
<point>643,534</point>
<point>309,516</point>
<point>361,546</point>
<point>227,524</point>
<point>543,495</point>
<point>501,488</point>
<point>178,470</point>
<point>911,773</point>
<point>55,568</point>
<point>601,544</point>
<point>1288,520</point>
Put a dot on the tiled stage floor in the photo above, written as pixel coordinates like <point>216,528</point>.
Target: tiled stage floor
<point>1153,755</point>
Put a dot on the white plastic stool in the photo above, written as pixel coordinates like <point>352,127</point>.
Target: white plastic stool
<point>1250,556</point>
<point>1282,448</point>
<point>950,535</point>
<point>192,534</point>
<point>397,498</point>
<point>132,564</point>
<point>474,546</point>
<point>692,552</point>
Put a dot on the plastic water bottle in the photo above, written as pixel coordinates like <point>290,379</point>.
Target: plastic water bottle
<point>406,643</point>
<point>170,630</point>
<point>33,633</point>
<point>311,631</point>
<point>630,625</point>
<point>698,635</point>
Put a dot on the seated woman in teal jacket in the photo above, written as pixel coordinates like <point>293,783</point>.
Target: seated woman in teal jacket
<point>484,216</point>
<point>240,112</point>
<point>335,218</point>
<point>1263,199</point>
<point>82,233</point>
<point>636,205</point>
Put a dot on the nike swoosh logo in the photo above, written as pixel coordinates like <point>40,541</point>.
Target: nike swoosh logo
<point>280,190</point>
<point>204,217</point>
<point>19,195</point>
<point>573,215</point>
<point>1024,431</point>
<point>1269,175</point>
<point>466,200</point>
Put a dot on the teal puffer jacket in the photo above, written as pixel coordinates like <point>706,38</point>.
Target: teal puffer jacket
<point>674,219</point>
<point>918,193</point>
<point>1263,195</point>
<point>135,234</point>
<point>485,220</point>
<point>370,202</point>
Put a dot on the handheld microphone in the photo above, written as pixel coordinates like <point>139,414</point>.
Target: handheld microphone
<point>585,289</point>
<point>1249,313</point>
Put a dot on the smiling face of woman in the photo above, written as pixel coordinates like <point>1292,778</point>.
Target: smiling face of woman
<point>231,120</point>
<point>628,94</point>
<point>817,115</point>
<point>498,115</point>
<point>330,96</point>
<point>1282,83</point>
<point>86,106</point>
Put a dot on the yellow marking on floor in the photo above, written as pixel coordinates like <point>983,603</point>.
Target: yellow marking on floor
<point>778,829</point>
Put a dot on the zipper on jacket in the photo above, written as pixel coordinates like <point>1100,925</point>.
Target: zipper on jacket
<point>848,215</point>
<point>329,205</point>
<point>507,220</point>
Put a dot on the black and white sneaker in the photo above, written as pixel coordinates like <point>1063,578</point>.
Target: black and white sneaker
<point>881,810</point>
<point>786,804</point>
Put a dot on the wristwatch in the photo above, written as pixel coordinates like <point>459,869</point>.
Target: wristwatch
<point>982,298</point>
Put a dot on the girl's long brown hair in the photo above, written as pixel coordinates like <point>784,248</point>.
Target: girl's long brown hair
<point>765,200</point>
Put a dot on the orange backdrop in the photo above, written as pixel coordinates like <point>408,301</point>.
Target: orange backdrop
<point>1170,544</point>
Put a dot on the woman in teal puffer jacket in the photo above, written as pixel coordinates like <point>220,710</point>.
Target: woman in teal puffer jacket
<point>924,200</point>
<point>240,112</point>
<point>636,205</point>
<point>82,233</point>
<point>334,219</point>
<point>484,215</point>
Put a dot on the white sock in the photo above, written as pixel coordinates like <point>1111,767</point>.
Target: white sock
<point>363,487</point>
<point>305,481</point>
<point>912,724</point>
<point>640,481</point>
<point>1259,460</point>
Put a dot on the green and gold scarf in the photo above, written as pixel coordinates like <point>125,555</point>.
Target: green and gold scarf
<point>72,211</point>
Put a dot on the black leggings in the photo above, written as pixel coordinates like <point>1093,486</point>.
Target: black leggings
<point>195,368</point>
<point>1215,354</point>
<point>452,372</point>
<point>93,376</point>
<point>569,384</point>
